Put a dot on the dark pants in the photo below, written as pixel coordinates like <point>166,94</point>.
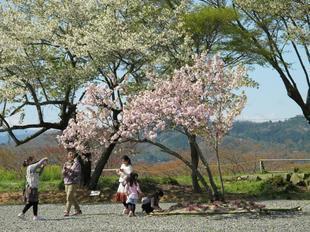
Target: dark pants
<point>132,207</point>
<point>147,208</point>
<point>34,207</point>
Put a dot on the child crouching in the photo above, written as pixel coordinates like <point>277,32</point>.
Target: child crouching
<point>151,203</point>
<point>132,190</point>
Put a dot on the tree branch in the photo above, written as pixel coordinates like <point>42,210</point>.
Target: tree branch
<point>47,125</point>
<point>9,130</point>
<point>178,156</point>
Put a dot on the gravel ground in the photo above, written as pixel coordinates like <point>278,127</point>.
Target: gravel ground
<point>107,217</point>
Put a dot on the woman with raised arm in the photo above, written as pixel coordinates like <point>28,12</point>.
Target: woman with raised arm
<point>31,193</point>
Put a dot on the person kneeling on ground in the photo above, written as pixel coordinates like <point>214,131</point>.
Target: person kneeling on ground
<point>151,203</point>
<point>31,194</point>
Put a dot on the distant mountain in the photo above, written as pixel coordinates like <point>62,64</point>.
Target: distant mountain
<point>47,138</point>
<point>20,134</point>
<point>283,137</point>
<point>292,134</point>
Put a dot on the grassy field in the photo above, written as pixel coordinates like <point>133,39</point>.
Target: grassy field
<point>178,188</point>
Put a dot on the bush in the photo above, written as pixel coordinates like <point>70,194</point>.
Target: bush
<point>51,172</point>
<point>9,175</point>
<point>108,182</point>
<point>169,180</point>
<point>148,184</point>
<point>61,185</point>
<point>277,185</point>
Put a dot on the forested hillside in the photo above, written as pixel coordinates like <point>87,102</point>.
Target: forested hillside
<point>293,134</point>
<point>281,138</point>
<point>288,138</point>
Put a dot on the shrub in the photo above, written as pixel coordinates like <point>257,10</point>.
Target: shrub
<point>108,182</point>
<point>169,180</point>
<point>277,185</point>
<point>51,172</point>
<point>61,185</point>
<point>9,175</point>
<point>148,184</point>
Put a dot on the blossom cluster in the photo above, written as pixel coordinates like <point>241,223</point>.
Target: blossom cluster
<point>94,124</point>
<point>202,99</point>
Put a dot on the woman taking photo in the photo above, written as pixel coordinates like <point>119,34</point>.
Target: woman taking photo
<point>31,194</point>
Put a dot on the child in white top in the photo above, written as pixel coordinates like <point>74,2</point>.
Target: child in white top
<point>133,190</point>
<point>123,172</point>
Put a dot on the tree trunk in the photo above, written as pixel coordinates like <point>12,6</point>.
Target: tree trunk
<point>219,168</point>
<point>294,94</point>
<point>187,163</point>
<point>100,165</point>
<point>292,90</point>
<point>195,162</point>
<point>86,168</point>
<point>216,193</point>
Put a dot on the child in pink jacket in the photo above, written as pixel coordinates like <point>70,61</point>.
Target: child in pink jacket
<point>132,190</point>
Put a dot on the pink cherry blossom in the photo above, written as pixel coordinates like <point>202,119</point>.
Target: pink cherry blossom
<point>202,99</point>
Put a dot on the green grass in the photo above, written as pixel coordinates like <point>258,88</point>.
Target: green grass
<point>11,186</point>
<point>243,187</point>
<point>9,175</point>
<point>54,185</point>
<point>51,173</point>
<point>18,186</point>
<point>183,180</point>
<point>14,181</point>
<point>110,182</point>
<point>51,180</point>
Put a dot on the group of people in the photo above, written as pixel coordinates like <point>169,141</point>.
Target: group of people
<point>128,191</point>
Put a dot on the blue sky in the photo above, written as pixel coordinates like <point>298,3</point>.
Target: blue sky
<point>270,101</point>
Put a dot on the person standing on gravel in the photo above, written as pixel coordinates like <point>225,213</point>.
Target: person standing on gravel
<point>72,175</point>
<point>133,191</point>
<point>124,172</point>
<point>31,194</point>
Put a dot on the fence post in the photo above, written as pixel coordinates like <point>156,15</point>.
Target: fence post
<point>261,166</point>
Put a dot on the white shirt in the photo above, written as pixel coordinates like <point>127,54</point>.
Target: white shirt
<point>127,169</point>
<point>33,173</point>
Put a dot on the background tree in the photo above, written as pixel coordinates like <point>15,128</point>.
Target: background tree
<point>268,31</point>
<point>279,27</point>
<point>51,50</point>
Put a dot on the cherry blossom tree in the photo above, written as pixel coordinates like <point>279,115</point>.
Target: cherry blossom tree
<point>198,100</point>
<point>51,50</point>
